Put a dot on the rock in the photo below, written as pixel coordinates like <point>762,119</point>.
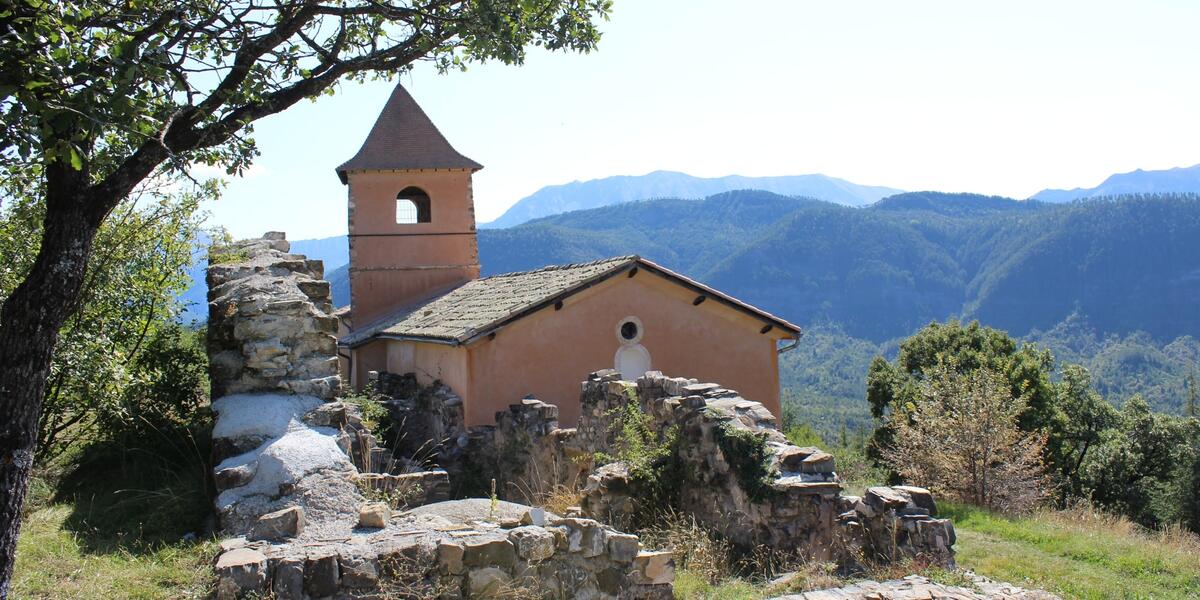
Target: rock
<point>321,575</point>
<point>375,514</point>
<point>622,548</point>
<point>359,572</point>
<point>244,568</point>
<point>489,552</point>
<point>278,525</point>
<point>534,516</point>
<point>235,476</point>
<point>920,497</point>
<point>288,583</point>
<point>820,462</point>
<point>450,557</point>
<point>487,582</point>
<point>533,544</point>
<point>654,568</point>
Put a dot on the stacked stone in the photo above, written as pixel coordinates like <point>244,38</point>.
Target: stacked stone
<point>894,524</point>
<point>783,496</point>
<point>425,554</point>
<point>270,321</point>
<point>533,454</point>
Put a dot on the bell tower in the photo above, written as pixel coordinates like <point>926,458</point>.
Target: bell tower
<point>411,214</point>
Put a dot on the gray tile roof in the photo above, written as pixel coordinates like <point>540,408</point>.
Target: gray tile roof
<point>483,305</point>
<point>403,137</point>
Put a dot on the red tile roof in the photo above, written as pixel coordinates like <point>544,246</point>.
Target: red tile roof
<point>404,138</point>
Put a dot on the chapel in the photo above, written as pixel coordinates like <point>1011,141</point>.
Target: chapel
<point>418,304</point>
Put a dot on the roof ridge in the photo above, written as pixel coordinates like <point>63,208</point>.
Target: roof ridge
<point>568,266</point>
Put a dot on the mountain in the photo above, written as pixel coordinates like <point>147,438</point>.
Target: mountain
<point>1179,180</point>
<point>557,199</point>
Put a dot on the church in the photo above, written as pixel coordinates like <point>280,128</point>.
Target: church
<point>418,303</point>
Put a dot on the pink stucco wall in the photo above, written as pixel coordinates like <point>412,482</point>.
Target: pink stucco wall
<point>549,353</point>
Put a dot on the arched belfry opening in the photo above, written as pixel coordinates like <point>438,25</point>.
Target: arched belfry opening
<point>412,206</point>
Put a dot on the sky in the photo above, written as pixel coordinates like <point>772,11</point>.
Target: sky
<point>1003,98</point>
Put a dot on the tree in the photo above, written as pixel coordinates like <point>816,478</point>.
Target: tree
<point>959,437</point>
<point>98,96</point>
<point>1083,419</point>
<point>127,303</point>
<point>1145,467</point>
<point>968,348</point>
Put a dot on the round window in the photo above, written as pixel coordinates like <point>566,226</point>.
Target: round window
<point>629,330</point>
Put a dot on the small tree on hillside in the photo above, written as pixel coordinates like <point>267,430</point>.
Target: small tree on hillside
<point>959,437</point>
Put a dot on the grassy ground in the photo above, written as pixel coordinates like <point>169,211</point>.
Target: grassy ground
<point>53,561</point>
<point>1078,554</point>
<point>124,523</point>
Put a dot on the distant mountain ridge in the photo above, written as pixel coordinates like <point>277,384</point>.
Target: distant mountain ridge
<point>581,195</point>
<point>1178,180</point>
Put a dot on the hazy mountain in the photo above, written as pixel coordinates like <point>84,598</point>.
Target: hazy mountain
<point>557,199</point>
<point>1183,179</point>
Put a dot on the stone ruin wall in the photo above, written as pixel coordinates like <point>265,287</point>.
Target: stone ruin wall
<point>295,467</point>
<point>737,474</point>
<point>785,497</point>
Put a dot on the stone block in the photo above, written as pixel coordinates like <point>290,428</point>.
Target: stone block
<point>321,575</point>
<point>533,544</point>
<point>882,499</point>
<point>819,462</point>
<point>487,582</point>
<point>653,568</point>
<point>622,547</point>
<point>450,557</point>
<point>534,516</point>
<point>278,525</point>
<point>374,515</point>
<point>921,497</point>
<point>359,572</point>
<point>288,580</point>
<point>244,569</point>
<point>490,552</point>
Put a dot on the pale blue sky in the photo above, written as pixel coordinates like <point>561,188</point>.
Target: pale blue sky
<point>998,97</point>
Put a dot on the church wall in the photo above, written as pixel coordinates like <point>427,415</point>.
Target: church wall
<point>431,362</point>
<point>546,354</point>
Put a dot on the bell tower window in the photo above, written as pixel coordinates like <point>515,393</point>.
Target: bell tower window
<point>412,206</point>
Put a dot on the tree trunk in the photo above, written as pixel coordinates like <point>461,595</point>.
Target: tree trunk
<point>29,324</point>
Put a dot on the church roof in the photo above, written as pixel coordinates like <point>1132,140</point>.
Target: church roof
<point>482,306</point>
<point>404,138</point>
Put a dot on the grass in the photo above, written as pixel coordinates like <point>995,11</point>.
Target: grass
<point>55,562</point>
<point>119,521</point>
<point>1077,553</point>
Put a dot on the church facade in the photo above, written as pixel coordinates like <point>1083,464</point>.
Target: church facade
<point>418,304</point>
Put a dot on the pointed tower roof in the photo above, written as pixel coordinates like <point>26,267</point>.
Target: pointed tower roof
<point>404,138</point>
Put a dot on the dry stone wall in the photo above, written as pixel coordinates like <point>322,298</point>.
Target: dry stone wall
<point>729,466</point>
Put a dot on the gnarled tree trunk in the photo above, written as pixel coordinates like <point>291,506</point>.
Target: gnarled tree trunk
<point>29,324</point>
